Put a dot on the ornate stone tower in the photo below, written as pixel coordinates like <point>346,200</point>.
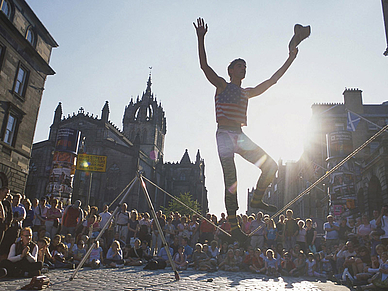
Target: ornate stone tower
<point>144,122</point>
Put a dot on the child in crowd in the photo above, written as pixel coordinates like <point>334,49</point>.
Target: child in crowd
<point>180,259</point>
<point>300,265</point>
<point>60,257</point>
<point>80,252</point>
<point>200,259</point>
<point>96,256</point>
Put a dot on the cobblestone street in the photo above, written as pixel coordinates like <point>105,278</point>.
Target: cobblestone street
<point>135,278</point>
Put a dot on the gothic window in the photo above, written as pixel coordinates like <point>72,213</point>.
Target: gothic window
<point>113,175</point>
<point>6,8</point>
<point>30,35</point>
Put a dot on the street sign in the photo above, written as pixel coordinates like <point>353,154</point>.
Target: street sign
<point>91,163</point>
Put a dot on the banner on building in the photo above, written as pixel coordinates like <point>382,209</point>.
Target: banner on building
<point>91,163</point>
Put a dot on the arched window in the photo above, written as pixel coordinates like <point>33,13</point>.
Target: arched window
<point>6,8</point>
<point>30,35</point>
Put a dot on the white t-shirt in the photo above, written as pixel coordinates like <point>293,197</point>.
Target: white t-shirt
<point>384,226</point>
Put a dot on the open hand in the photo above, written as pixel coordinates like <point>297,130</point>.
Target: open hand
<point>201,27</point>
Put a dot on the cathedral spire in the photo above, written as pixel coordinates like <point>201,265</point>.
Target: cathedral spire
<point>105,112</point>
<point>149,83</point>
<point>58,113</point>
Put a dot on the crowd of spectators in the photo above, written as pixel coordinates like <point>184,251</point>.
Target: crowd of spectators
<point>42,236</point>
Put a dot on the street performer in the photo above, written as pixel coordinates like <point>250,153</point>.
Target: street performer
<point>231,102</point>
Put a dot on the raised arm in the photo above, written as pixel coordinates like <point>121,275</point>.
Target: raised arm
<point>201,29</point>
<point>264,86</point>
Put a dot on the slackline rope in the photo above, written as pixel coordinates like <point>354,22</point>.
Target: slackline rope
<point>335,168</point>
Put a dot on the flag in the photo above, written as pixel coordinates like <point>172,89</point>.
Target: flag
<point>353,121</point>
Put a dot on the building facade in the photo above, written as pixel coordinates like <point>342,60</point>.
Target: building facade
<point>25,50</point>
<point>138,147</point>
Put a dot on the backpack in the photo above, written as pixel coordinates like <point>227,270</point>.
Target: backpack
<point>155,264</point>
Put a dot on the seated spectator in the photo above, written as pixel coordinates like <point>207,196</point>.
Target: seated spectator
<point>270,264</point>
<point>60,256</point>
<point>70,243</point>
<point>200,259</point>
<point>188,249</point>
<point>145,251</point>
<point>300,265</point>
<point>96,256</point>
<point>380,280</point>
<point>257,263</point>
<point>345,257</point>
<point>238,258</point>
<point>44,255</point>
<point>311,267</point>
<point>180,259</point>
<point>213,253</point>
<point>375,241</point>
<point>287,265</point>
<point>54,243</point>
<point>22,258</point>
<point>114,256</point>
<point>162,254</point>
<point>80,252</point>
<point>369,271</point>
<point>135,254</point>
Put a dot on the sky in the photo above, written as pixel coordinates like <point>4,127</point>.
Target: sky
<point>107,47</point>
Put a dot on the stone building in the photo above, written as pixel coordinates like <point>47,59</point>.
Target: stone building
<point>25,50</point>
<point>138,147</point>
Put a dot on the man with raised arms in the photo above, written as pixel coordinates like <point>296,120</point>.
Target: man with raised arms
<point>231,103</point>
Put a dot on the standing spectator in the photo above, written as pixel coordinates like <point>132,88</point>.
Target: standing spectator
<point>105,216</point>
<point>145,229</point>
<point>300,236</point>
<point>290,227</point>
<point>122,222</point>
<point>331,231</point>
<point>206,230</point>
<point>176,220</point>
<point>12,232</point>
<point>343,231</point>
<point>40,213</point>
<point>375,214</point>
<point>133,226</point>
<point>280,229</point>
<point>169,230</point>
<point>257,231</point>
<point>364,229</point>
<point>22,257</point>
<point>194,230</point>
<point>28,221</point>
<point>222,219</point>
<point>311,236</point>
<point>271,234</point>
<point>72,218</point>
<point>382,221</point>
<point>6,215</point>
<point>156,237</point>
<point>52,218</point>
<point>246,224</point>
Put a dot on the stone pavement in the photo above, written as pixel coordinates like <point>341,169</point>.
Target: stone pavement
<point>135,278</point>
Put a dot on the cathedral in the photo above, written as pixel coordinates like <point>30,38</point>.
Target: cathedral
<point>139,146</point>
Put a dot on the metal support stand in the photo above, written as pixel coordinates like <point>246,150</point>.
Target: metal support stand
<point>103,229</point>
<point>165,245</point>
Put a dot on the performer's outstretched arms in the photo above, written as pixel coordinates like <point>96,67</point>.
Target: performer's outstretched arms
<point>217,81</point>
<point>261,88</point>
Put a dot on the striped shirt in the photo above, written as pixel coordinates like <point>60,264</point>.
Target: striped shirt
<point>232,104</point>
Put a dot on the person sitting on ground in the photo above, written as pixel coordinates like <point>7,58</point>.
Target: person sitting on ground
<point>96,256</point>
<point>201,261</point>
<point>180,259</point>
<point>135,254</point>
<point>146,251</point>
<point>379,280</point>
<point>44,255</point>
<point>239,259</point>
<point>287,265</point>
<point>71,244</point>
<point>257,265</point>
<point>114,256</point>
<point>229,264</point>
<point>188,249</point>
<point>22,257</point>
<point>213,253</point>
<point>247,260</point>
<point>369,271</point>
<point>80,252</point>
<point>54,243</point>
<point>311,267</point>
<point>60,257</point>
<point>300,265</point>
<point>271,266</point>
<point>162,254</point>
